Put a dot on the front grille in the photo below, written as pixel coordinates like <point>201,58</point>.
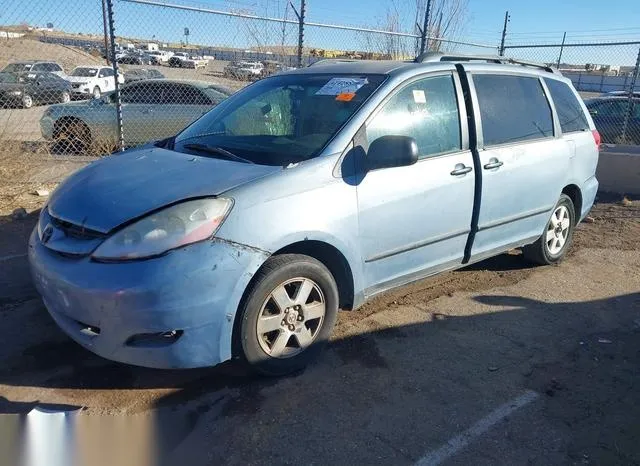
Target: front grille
<point>76,231</point>
<point>75,85</point>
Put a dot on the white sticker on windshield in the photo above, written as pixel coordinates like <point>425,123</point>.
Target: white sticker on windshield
<point>419,97</point>
<point>337,86</point>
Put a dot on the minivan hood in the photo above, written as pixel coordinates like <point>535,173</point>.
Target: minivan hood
<point>125,186</point>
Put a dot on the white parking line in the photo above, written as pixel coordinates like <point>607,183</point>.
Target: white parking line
<point>15,256</point>
<point>459,442</point>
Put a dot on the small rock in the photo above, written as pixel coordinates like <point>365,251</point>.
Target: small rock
<point>42,192</point>
<point>626,202</point>
<point>604,340</point>
<point>492,368</point>
<point>589,220</point>
<point>19,213</point>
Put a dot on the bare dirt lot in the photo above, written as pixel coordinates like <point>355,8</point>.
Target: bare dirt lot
<point>498,363</point>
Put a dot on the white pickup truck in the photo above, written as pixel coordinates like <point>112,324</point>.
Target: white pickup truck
<point>92,81</point>
<point>184,60</point>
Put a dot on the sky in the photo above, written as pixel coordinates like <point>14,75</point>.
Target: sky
<point>539,21</point>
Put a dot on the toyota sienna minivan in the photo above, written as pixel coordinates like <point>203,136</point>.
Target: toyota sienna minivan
<point>308,192</point>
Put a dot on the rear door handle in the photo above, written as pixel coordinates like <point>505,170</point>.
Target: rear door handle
<point>460,169</point>
<point>493,163</point>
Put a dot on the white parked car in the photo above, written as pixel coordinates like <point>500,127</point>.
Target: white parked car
<point>161,55</point>
<point>92,81</point>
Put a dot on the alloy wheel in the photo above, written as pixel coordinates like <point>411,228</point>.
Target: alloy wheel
<point>558,230</point>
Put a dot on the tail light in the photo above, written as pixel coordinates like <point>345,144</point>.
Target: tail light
<point>596,137</point>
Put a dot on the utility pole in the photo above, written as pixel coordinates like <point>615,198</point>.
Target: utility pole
<point>106,33</point>
<point>116,72</point>
<point>504,32</point>
<point>627,116</point>
<point>300,16</point>
<point>424,43</point>
<point>564,37</point>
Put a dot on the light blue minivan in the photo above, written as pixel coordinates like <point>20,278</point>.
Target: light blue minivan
<point>308,192</point>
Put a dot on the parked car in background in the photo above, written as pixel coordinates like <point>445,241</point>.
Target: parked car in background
<point>184,60</point>
<point>34,66</point>
<point>161,56</point>
<point>137,59</point>
<point>139,74</point>
<point>620,94</point>
<point>92,81</point>
<point>28,89</point>
<point>271,67</point>
<point>151,110</point>
<point>308,192</point>
<point>244,70</point>
<point>609,113</point>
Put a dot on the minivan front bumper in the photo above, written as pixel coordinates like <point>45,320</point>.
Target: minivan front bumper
<point>174,311</point>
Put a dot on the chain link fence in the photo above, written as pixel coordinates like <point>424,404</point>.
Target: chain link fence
<point>73,81</point>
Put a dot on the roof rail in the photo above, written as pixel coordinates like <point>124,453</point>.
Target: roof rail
<point>328,61</point>
<point>439,57</point>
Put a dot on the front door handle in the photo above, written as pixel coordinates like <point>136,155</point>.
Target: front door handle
<point>460,169</point>
<point>493,163</point>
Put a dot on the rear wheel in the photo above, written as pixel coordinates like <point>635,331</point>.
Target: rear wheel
<point>287,316</point>
<point>556,240</point>
<point>27,101</point>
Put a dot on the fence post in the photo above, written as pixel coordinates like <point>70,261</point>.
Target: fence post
<point>504,33</point>
<point>564,36</point>
<point>424,40</point>
<point>106,35</point>
<point>627,115</point>
<point>300,16</point>
<point>602,81</point>
<point>114,64</point>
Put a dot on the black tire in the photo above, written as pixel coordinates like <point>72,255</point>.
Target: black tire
<point>539,252</point>
<point>27,101</point>
<point>275,272</point>
<point>96,93</point>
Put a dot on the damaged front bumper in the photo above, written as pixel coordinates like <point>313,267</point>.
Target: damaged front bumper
<point>174,311</point>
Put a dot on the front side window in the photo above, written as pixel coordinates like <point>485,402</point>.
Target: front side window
<point>568,108</point>
<point>144,93</point>
<point>182,94</point>
<point>84,72</point>
<point>426,110</point>
<point>512,108</point>
<point>282,119</point>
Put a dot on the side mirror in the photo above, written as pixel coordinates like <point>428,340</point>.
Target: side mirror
<point>391,151</point>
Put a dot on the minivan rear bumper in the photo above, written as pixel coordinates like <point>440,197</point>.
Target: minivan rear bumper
<point>589,190</point>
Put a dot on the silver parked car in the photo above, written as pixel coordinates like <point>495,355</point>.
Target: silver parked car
<point>151,110</point>
<point>307,192</point>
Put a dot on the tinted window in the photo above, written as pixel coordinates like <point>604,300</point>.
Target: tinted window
<point>144,93</point>
<point>183,95</point>
<point>612,108</point>
<point>569,111</point>
<point>53,67</point>
<point>426,110</point>
<point>106,72</point>
<point>512,108</point>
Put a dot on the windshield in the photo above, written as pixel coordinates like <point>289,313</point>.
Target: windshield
<point>85,72</point>
<point>9,78</point>
<point>281,120</point>
<point>16,67</point>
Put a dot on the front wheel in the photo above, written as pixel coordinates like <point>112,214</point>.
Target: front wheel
<point>96,92</point>
<point>287,316</point>
<point>554,243</point>
<point>65,97</point>
<point>27,101</point>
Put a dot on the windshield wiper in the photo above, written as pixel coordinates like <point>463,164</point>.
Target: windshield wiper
<point>216,151</point>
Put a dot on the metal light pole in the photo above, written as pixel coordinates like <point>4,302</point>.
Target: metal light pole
<point>424,42</point>
<point>504,33</point>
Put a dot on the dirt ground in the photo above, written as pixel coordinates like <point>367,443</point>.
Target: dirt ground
<point>407,379</point>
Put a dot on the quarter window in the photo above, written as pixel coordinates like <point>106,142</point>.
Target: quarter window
<point>568,108</point>
<point>426,110</point>
<point>512,109</point>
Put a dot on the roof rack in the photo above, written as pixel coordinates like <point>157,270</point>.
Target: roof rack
<point>439,57</point>
<point>327,61</point>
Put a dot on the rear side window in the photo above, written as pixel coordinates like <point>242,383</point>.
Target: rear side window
<point>569,111</point>
<point>512,108</point>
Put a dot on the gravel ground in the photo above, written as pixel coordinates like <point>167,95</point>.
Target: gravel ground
<point>403,375</point>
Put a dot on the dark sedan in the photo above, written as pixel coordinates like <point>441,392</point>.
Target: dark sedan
<point>609,113</point>
<point>28,89</point>
<point>137,59</point>
<point>142,73</point>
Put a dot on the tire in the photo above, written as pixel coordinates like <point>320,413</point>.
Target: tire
<point>27,101</point>
<point>555,241</point>
<point>292,331</point>
<point>72,136</point>
<point>65,97</point>
<point>97,93</point>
